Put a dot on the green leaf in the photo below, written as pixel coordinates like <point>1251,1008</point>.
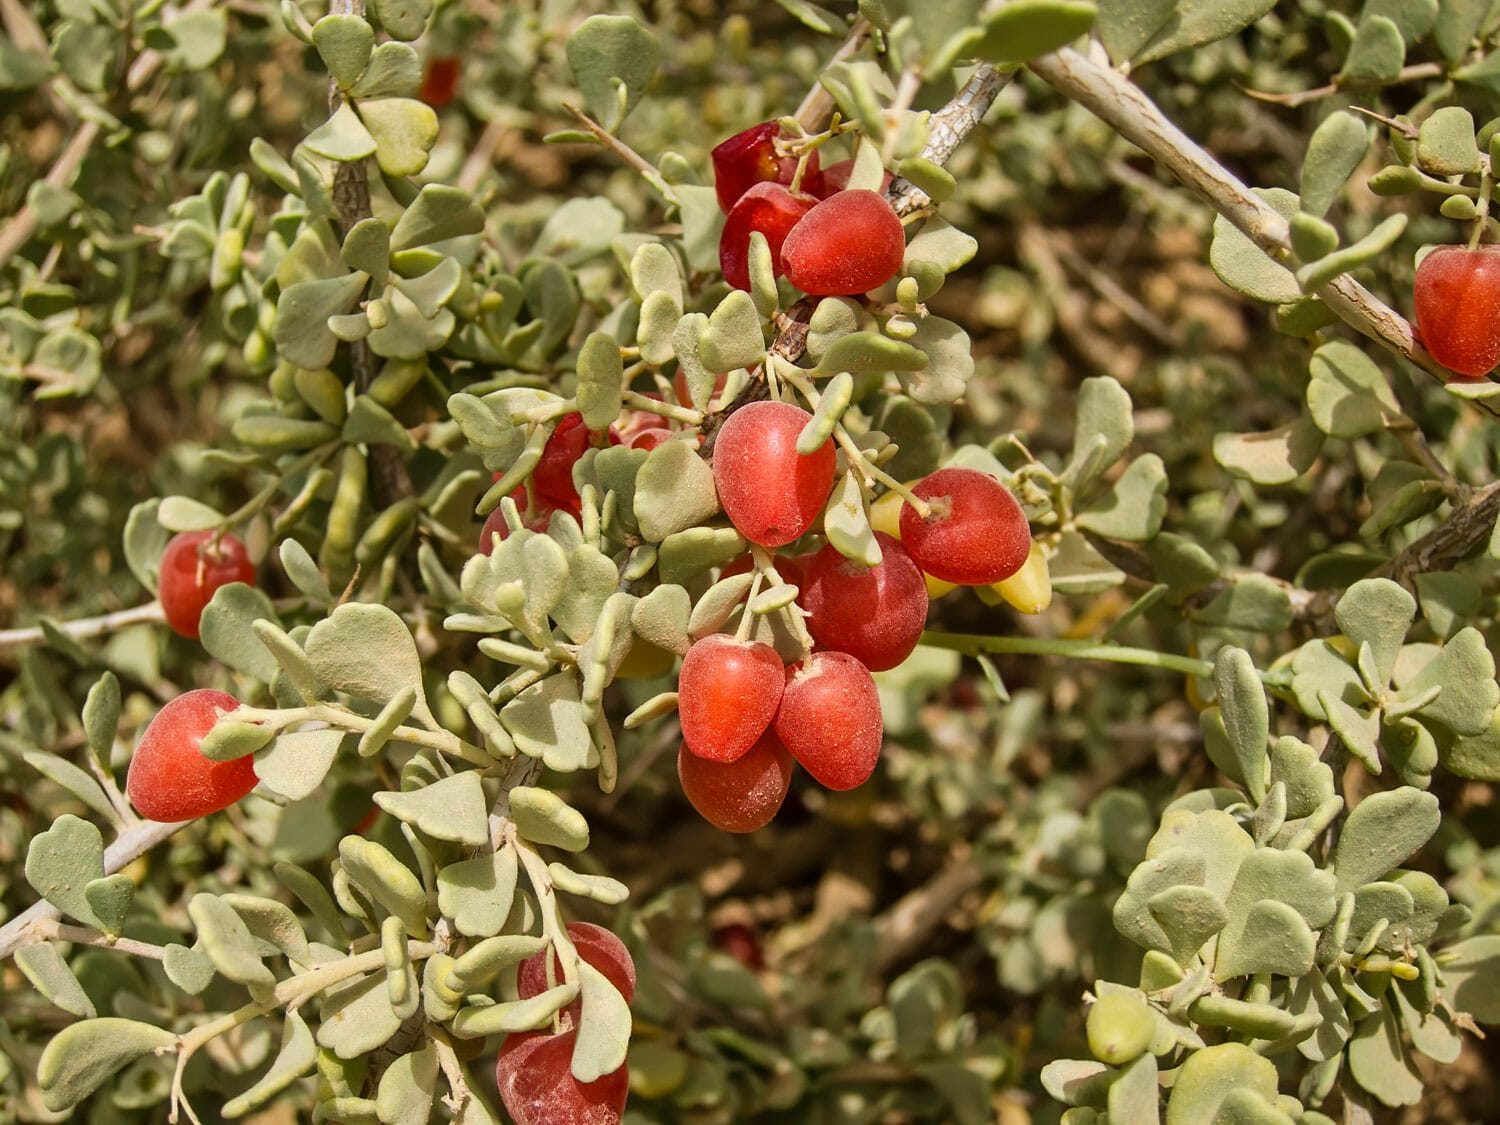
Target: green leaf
<point>516,1015</point>
<point>1465,671</point>
<point>228,942</point>
<point>197,38</point>
<point>1078,568</point>
<point>603,1026</point>
<point>62,861</point>
<point>1376,55</point>
<point>407,1089</point>
<point>1102,429</point>
<point>942,244</point>
<point>543,817</point>
<point>477,893</point>
<point>1471,976</point>
<point>733,337</point>
<point>438,213</point>
<point>357,1017</point>
<point>1253,602</point>
<point>547,721</point>
<point>109,898</point>
<point>19,69</point>
<point>76,781</point>
<point>601,373</point>
<point>948,362</point>
<point>387,880</point>
<point>1133,509</point>
<point>394,71</point>
<point>1210,1075</point>
<point>402,19</point>
<point>1188,916</point>
<point>295,764</point>
<point>1382,831</point>
<point>1446,144</point>
<point>1242,703</point>
<point>297,1056</point>
<point>49,974</point>
<point>613,59</point>
<point>1315,275</point>
<point>846,523</point>
<point>1244,266</point>
<point>344,43</point>
<point>674,491</point>
<point>404,131</point>
<point>302,334</point>
<point>343,137</point>
<point>1335,149</point>
<point>189,969</point>
<point>1456,25</point>
<point>451,809</point>
<point>1380,1062</point>
<point>600,888</point>
<point>227,630</point>
<point>1272,457</point>
<point>1023,29</point>
<point>484,960</point>
<point>83,1056</point>
<point>579,229</point>
<point>366,650</point>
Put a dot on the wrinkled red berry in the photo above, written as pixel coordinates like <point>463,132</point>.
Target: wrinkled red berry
<point>1457,294</point>
<point>848,244</point>
<point>727,695</point>
<point>742,795</point>
<point>750,158</point>
<point>975,532</point>
<point>769,208</point>
<point>875,614</point>
<point>771,493</point>
<point>169,779</point>
<point>535,1078</point>
<point>597,947</point>
<point>830,719</point>
<point>192,568</point>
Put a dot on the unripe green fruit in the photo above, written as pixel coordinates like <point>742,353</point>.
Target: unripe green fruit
<point>1120,1027</point>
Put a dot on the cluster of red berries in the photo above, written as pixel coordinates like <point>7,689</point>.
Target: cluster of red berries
<point>534,1070</point>
<point>745,717</point>
<point>827,239</point>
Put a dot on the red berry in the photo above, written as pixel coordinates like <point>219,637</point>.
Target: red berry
<point>727,695</point>
<point>741,942</point>
<point>975,532</point>
<point>552,479</point>
<point>169,779</point>
<point>830,719</point>
<point>535,1077</point>
<point>597,946</point>
<point>1457,295</point>
<point>848,244</point>
<point>742,795</point>
<point>875,614</point>
<point>650,439</point>
<point>192,568</point>
<point>680,387</point>
<point>750,158</point>
<point>495,524</point>
<point>769,208</point>
<point>836,178</point>
<point>440,81</point>
<point>770,492</point>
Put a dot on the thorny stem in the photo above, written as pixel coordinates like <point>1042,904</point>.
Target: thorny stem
<point>1127,109</point>
<point>973,644</point>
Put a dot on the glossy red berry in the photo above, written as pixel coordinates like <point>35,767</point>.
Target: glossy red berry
<point>169,779</point>
<point>875,614</point>
<point>769,208</point>
<point>848,244</point>
<point>1457,295</point>
<point>596,946</point>
<point>771,493</point>
<point>830,719</point>
<point>535,1077</point>
<point>193,567</point>
<point>552,479</point>
<point>975,532</point>
<point>750,158</point>
<point>742,795</point>
<point>440,80</point>
<point>727,692</point>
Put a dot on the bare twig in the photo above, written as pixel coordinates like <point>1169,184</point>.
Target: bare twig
<point>1130,112</point>
<point>905,927</point>
<point>148,614</point>
<point>1302,97</point>
<point>627,154</point>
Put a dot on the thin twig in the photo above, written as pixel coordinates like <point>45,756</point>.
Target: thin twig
<point>148,614</point>
<point>623,151</point>
<point>1127,109</point>
<point>1301,97</point>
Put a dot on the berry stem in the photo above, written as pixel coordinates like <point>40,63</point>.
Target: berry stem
<point>765,563</point>
<point>747,618</point>
<point>1481,220</point>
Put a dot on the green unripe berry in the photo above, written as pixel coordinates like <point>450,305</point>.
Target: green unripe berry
<point>1120,1026</point>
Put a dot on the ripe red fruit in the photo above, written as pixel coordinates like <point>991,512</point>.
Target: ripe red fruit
<point>750,157</point>
<point>534,1074</point>
<point>741,942</point>
<point>769,208</point>
<point>597,946</point>
<point>770,492</point>
<point>975,533</point>
<point>192,568</point>
<point>728,691</point>
<point>848,244</point>
<point>742,795</point>
<point>169,779</point>
<point>1457,294</point>
<point>875,614</point>
<point>830,719</point>
<point>552,479</point>
<point>440,81</point>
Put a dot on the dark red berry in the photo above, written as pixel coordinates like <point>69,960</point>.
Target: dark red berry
<point>192,568</point>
